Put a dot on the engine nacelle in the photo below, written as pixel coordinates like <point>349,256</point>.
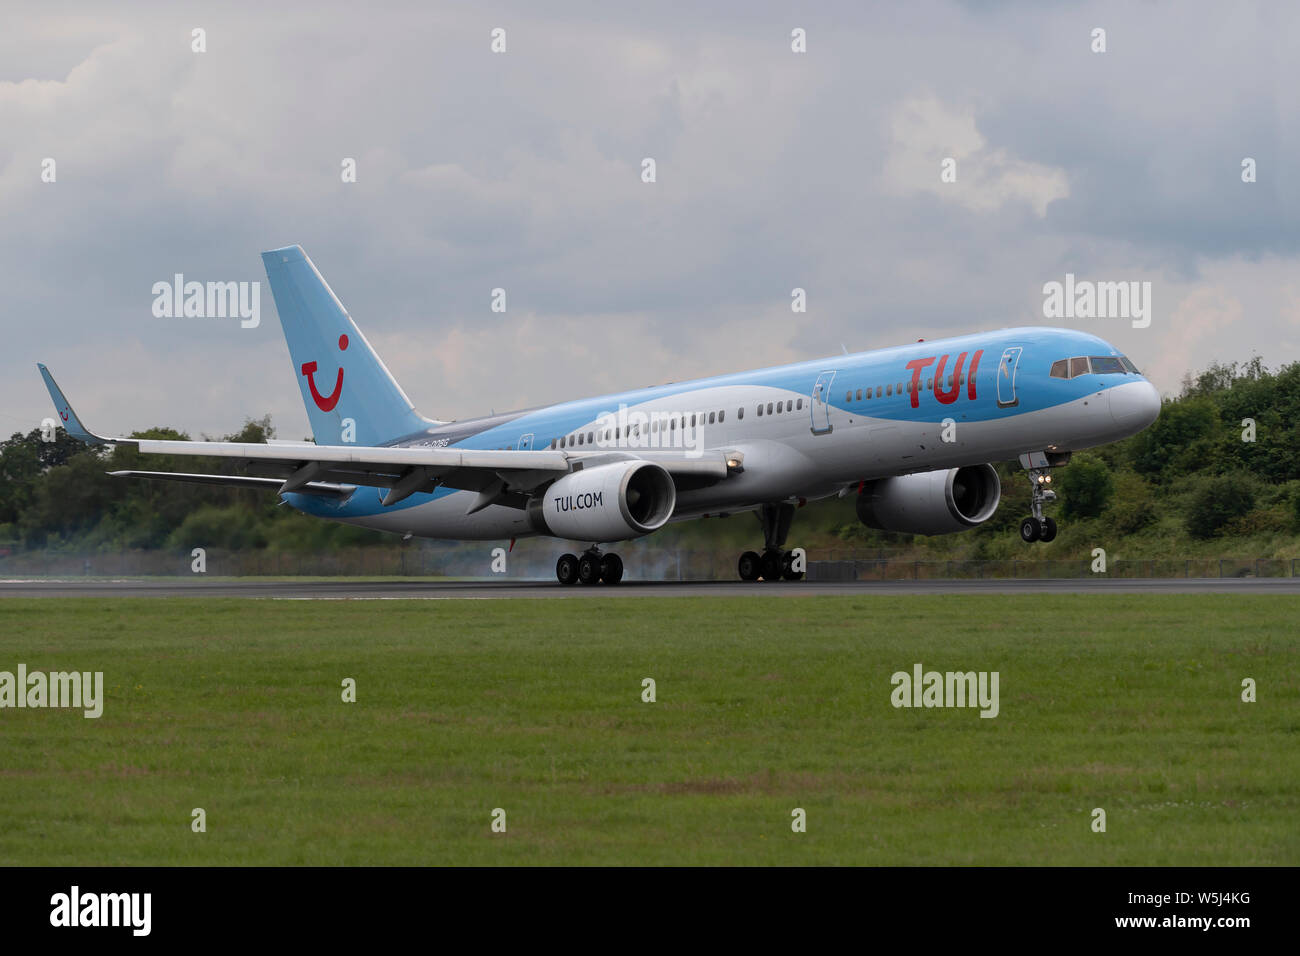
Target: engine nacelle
<point>932,502</point>
<point>611,502</point>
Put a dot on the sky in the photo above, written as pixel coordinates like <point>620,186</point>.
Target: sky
<point>522,170</point>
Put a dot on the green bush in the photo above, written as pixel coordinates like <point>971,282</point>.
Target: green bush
<point>210,527</point>
<point>1085,487</point>
<point>1132,507</point>
<point>1218,501</point>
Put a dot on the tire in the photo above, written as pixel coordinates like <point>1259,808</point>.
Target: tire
<point>566,569</point>
<point>1049,530</point>
<point>589,569</point>
<point>770,564</point>
<point>787,568</point>
<point>749,566</point>
<point>1031,529</point>
<point>611,569</point>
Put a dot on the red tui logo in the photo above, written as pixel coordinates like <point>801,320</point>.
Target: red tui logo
<point>326,403</point>
<point>945,395</point>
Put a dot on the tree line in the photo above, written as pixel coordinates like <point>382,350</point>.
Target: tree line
<point>1222,461</point>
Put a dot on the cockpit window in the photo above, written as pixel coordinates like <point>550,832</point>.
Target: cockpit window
<point>1095,365</point>
<point>1107,365</point>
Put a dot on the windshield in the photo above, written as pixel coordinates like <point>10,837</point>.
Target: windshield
<point>1107,365</point>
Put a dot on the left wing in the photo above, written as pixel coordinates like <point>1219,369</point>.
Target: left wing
<point>499,477</point>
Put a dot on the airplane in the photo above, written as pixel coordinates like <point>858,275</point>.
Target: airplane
<point>909,431</point>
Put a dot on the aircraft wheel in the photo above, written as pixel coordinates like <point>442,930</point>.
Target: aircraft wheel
<point>787,567</point>
<point>588,569</point>
<point>771,565</point>
<point>566,569</point>
<point>749,566</point>
<point>1049,530</point>
<point>1031,529</point>
<point>611,569</point>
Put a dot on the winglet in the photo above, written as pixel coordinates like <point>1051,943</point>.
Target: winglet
<point>71,423</point>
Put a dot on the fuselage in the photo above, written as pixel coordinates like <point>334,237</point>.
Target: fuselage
<point>806,430</point>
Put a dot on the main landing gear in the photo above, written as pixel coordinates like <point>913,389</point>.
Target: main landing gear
<point>593,567</point>
<point>1036,527</point>
<point>774,564</point>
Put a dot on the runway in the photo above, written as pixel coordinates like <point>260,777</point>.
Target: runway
<point>405,589</point>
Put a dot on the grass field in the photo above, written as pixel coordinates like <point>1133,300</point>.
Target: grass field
<point>1127,703</point>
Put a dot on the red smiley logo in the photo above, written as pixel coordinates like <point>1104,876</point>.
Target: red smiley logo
<point>326,403</point>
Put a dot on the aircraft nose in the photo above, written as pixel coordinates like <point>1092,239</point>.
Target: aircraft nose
<point>1134,405</point>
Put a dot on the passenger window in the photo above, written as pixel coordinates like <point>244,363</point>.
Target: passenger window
<point>848,396</point>
<point>713,417</point>
<point>799,407</point>
<point>859,394</point>
<point>590,437</point>
<point>1078,366</point>
<point>1061,369</point>
<point>877,391</point>
<point>769,408</point>
<point>760,411</point>
<point>740,413</point>
<point>722,416</point>
<point>692,421</point>
<point>889,390</point>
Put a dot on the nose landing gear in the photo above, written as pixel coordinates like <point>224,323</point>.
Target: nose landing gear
<point>1037,527</point>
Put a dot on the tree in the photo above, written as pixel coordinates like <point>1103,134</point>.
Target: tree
<point>1218,501</point>
<point>1178,442</point>
<point>1085,486</point>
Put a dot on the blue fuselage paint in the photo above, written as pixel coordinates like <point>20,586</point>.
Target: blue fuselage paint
<point>831,433</point>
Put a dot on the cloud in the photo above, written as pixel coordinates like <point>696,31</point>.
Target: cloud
<point>522,171</point>
<point>925,133</point>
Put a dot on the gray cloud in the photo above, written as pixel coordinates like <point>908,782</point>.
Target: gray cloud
<point>521,171</point>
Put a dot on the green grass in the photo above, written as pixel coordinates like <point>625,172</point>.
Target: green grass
<point>1129,703</point>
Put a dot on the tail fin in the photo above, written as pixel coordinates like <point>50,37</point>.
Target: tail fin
<point>350,395</point>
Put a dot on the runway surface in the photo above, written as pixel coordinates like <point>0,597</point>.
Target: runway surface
<point>395,589</point>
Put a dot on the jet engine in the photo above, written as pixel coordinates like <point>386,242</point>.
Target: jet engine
<point>932,502</point>
<point>610,502</point>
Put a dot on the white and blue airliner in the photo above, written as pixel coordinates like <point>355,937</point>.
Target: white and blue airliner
<point>909,432</point>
